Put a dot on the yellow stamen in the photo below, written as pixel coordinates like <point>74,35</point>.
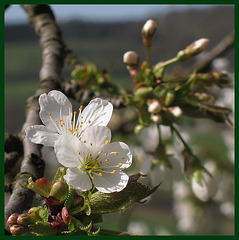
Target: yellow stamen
<point>106,154</point>
<point>101,151</point>
<point>89,121</point>
<point>75,112</point>
<point>79,153</point>
<point>49,114</point>
<point>67,114</point>
<point>90,171</point>
<point>114,171</point>
<point>100,174</point>
<point>91,144</point>
<point>84,141</point>
<point>116,153</point>
<point>69,106</point>
<point>120,164</point>
<point>107,142</point>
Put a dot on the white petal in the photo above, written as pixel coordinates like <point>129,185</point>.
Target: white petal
<point>78,179</point>
<point>161,174</point>
<point>123,157</point>
<point>51,163</point>
<point>110,182</point>
<point>146,166</point>
<point>96,138</point>
<point>39,134</point>
<point>67,149</point>
<point>52,104</point>
<point>97,112</point>
<point>207,189</point>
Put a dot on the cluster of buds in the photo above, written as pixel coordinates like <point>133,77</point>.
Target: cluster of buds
<point>161,114</point>
<point>148,32</point>
<point>37,221</point>
<point>193,49</point>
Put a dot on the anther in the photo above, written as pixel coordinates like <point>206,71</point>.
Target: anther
<point>91,144</point>
<point>106,154</point>
<point>116,153</point>
<point>100,174</point>
<point>84,141</point>
<point>49,114</point>
<point>101,151</point>
<point>79,153</point>
<point>120,164</point>
<point>107,142</point>
<point>75,112</point>
<point>107,163</point>
<point>114,171</point>
<point>89,121</point>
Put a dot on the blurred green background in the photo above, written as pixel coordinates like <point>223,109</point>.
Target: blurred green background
<point>104,44</point>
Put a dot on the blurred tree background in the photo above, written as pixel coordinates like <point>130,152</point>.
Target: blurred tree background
<point>104,44</point>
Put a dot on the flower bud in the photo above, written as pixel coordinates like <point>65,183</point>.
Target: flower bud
<point>203,185</point>
<point>138,128</point>
<point>18,230</point>
<point>13,219</point>
<point>25,219</point>
<point>34,212</point>
<point>154,106</point>
<point>193,49</point>
<point>131,59</point>
<point>59,190</point>
<point>176,112</point>
<point>156,118</point>
<point>65,216</point>
<point>149,29</point>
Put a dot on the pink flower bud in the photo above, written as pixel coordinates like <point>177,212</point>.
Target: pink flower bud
<point>149,29</point>
<point>13,219</point>
<point>18,230</point>
<point>59,190</point>
<point>44,184</point>
<point>24,219</point>
<point>131,59</point>
<point>65,216</point>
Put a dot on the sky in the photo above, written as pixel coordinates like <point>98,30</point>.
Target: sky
<point>100,13</point>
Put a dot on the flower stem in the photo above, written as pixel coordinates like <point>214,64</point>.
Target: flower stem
<point>181,138</point>
<point>170,61</point>
<point>147,55</point>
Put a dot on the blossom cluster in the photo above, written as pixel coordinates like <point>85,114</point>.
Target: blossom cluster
<point>82,143</point>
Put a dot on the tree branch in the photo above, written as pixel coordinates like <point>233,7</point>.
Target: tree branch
<point>42,20</point>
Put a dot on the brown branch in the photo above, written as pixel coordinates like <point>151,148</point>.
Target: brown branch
<point>42,20</point>
<point>223,46</point>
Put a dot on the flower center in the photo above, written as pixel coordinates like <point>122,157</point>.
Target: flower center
<point>68,123</point>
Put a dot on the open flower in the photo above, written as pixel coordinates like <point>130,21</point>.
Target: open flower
<point>93,159</point>
<point>57,116</point>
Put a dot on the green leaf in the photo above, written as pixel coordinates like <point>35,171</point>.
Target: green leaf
<point>61,171</point>
<point>39,190</point>
<point>102,203</point>
<point>43,213</point>
<point>42,229</point>
<point>70,199</point>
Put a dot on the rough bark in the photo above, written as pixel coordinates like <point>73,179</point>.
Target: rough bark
<point>42,20</point>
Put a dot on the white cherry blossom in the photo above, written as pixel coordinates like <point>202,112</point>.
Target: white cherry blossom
<point>59,119</point>
<point>93,159</point>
